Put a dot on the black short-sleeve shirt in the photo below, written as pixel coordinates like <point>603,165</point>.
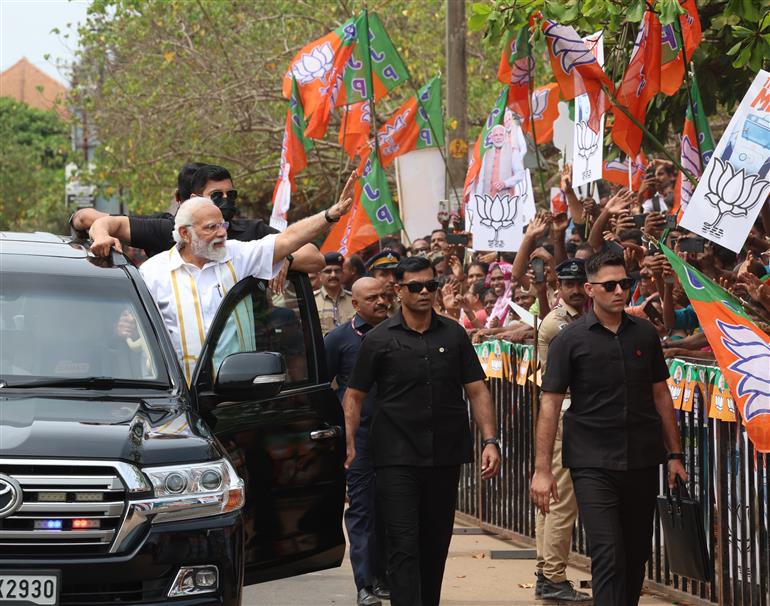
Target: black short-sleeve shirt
<point>420,415</point>
<point>154,234</point>
<point>612,422</point>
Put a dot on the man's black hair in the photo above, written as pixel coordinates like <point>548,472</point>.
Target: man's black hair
<point>357,265</point>
<point>585,246</point>
<point>412,265</point>
<point>439,229</point>
<point>393,244</point>
<point>508,257</point>
<point>184,180</point>
<point>602,259</point>
<point>724,255</point>
<point>484,266</point>
<point>634,234</point>
<point>206,173</point>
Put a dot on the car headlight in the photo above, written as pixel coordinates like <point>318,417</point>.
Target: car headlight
<point>190,491</point>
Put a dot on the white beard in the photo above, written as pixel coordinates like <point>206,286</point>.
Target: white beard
<point>206,250</point>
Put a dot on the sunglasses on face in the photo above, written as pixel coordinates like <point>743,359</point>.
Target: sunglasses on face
<point>416,287</point>
<point>611,285</point>
<point>217,197</point>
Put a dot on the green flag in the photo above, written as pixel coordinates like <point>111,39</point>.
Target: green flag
<point>376,200</point>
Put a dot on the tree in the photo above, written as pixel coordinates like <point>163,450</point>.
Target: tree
<point>35,148</point>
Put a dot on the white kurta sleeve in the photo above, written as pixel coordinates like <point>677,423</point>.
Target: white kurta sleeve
<point>255,258</point>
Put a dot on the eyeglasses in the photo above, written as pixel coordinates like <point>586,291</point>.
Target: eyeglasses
<point>611,285</point>
<point>416,287</point>
<point>210,228</point>
<point>218,196</point>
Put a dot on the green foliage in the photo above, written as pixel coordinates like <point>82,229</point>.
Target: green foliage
<point>35,147</point>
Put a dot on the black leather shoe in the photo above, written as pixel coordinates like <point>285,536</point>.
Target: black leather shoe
<point>563,593</point>
<point>381,591</point>
<point>539,584</point>
<point>367,598</point>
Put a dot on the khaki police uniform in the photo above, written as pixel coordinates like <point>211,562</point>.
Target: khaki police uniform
<point>333,312</point>
<point>553,531</point>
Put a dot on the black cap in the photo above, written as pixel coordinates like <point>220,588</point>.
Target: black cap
<point>571,269</point>
<point>334,258</point>
<point>387,259</point>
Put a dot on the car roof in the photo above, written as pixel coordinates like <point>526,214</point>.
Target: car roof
<point>42,252</point>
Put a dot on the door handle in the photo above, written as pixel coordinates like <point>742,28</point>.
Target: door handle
<point>324,434</point>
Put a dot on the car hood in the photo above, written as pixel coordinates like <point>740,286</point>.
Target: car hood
<point>143,432</point>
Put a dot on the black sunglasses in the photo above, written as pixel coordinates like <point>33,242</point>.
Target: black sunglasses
<point>416,287</point>
<point>218,196</point>
<point>611,285</point>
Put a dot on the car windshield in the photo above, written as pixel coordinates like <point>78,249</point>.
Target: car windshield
<point>65,328</point>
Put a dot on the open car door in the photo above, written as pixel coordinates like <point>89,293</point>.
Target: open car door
<point>261,384</point>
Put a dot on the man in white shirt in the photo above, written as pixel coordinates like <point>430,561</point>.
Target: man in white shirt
<point>189,281</point>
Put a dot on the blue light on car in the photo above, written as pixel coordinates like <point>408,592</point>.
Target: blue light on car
<point>48,524</point>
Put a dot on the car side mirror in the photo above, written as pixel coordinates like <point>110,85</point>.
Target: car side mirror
<point>252,374</point>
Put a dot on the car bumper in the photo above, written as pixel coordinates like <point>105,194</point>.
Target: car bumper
<point>145,575</point>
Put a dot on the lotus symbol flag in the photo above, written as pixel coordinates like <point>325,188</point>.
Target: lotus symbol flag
<point>497,213</point>
<point>752,364</point>
<point>587,141</point>
<point>571,51</point>
<point>314,65</point>
<point>733,193</point>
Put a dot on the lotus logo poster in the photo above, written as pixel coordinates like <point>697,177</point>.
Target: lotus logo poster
<point>735,184</point>
<point>587,144</point>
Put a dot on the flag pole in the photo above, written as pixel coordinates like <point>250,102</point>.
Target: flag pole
<point>531,84</point>
<point>342,152</point>
<point>649,135</point>
<point>680,40</point>
<point>630,175</point>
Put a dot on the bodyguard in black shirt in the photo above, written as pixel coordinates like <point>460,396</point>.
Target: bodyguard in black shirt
<point>617,431</point>
<point>420,363</point>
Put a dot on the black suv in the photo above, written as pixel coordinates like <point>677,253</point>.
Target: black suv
<point>121,484</point>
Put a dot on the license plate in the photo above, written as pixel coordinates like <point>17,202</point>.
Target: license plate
<point>24,587</point>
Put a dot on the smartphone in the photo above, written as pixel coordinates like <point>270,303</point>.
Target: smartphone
<point>670,221</point>
<point>615,248</point>
<point>650,172</point>
<point>652,312</point>
<point>692,245</point>
<point>652,249</point>
<point>538,268</point>
<point>457,239</point>
<point>639,220</point>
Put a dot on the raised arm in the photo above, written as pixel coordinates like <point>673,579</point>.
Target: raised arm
<point>617,203</point>
<point>305,231</point>
<point>84,218</point>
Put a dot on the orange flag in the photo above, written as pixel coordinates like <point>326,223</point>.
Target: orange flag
<point>641,83</point>
<point>355,127</point>
<point>576,69</point>
<point>672,66</point>
<point>545,110</point>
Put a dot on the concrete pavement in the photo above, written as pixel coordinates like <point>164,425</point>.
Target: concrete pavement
<point>471,579</point>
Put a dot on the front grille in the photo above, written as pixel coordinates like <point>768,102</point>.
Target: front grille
<point>103,594</point>
<point>67,509</point>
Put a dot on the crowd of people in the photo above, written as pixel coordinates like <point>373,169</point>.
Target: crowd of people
<point>399,322</point>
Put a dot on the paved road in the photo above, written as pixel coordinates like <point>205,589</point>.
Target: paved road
<point>471,579</point>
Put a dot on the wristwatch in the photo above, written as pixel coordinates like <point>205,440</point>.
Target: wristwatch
<point>328,217</point>
<point>678,456</point>
<point>290,259</point>
<point>487,441</point>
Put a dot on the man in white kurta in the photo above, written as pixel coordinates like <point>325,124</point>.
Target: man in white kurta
<point>189,281</point>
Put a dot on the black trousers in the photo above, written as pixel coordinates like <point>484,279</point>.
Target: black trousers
<point>418,508</point>
<point>617,509</point>
<point>365,529</point>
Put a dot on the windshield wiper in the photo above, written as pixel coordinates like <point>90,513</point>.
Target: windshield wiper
<point>87,383</point>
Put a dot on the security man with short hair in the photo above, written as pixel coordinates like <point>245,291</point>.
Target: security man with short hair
<point>333,302</point>
<point>382,267</point>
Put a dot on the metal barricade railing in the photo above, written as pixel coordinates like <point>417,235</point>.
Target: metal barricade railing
<point>726,476</point>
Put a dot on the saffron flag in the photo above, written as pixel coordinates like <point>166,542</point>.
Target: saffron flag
<point>696,135</point>
<point>318,69</point>
<point>355,126</point>
<point>483,144</point>
<point>413,125</point>
<point>516,70</point>
<point>672,63</point>
<point>616,171</point>
<point>388,70</point>
<point>376,200</point>
<point>544,109</point>
<point>742,350</point>
<point>353,232</point>
<point>576,69</point>
<point>640,84</point>
<point>294,148</point>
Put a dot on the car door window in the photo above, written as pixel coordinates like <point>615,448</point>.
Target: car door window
<point>266,321</point>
